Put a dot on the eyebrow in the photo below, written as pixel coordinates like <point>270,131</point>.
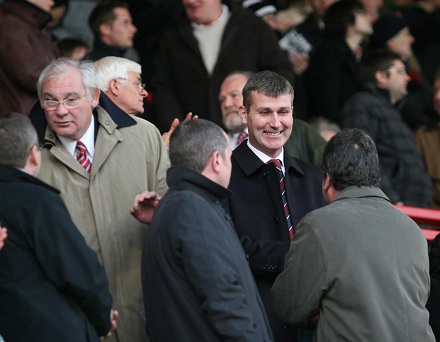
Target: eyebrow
<point>72,93</point>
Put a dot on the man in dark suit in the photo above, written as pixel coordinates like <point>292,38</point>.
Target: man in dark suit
<point>257,204</point>
<point>52,287</point>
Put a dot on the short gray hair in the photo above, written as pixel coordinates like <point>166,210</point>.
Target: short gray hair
<point>17,137</point>
<point>194,141</point>
<point>61,66</point>
<point>110,68</point>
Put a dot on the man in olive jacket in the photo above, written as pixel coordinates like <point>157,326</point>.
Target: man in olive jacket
<point>127,156</point>
<point>359,266</point>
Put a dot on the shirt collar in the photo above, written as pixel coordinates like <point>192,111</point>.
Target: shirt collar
<point>87,139</point>
<point>265,158</point>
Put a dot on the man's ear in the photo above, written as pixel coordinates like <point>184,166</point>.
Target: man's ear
<point>33,161</point>
<point>114,87</point>
<point>215,161</point>
<point>95,97</point>
<point>381,78</point>
<point>105,30</point>
<point>326,183</point>
<point>243,114</point>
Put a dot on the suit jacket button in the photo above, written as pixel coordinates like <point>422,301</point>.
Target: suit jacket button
<point>275,220</point>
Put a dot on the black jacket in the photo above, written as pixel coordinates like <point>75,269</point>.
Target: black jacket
<point>52,287</point>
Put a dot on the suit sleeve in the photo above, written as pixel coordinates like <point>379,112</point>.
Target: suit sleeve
<point>69,263</point>
<point>298,289</point>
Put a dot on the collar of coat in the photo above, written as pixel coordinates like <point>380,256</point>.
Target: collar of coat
<point>11,174</point>
<point>249,162</point>
<point>119,117</point>
<point>179,177</point>
<point>361,192</point>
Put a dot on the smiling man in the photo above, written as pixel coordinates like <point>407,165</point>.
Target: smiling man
<point>264,218</point>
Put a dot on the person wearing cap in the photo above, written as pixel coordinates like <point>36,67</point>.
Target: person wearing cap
<point>392,33</point>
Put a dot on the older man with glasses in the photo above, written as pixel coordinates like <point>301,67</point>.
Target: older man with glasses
<point>101,158</point>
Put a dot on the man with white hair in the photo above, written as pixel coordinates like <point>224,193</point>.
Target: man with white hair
<point>120,79</point>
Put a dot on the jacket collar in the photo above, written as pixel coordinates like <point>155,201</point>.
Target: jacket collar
<point>12,174</point>
<point>179,177</point>
<point>361,192</point>
<point>250,163</point>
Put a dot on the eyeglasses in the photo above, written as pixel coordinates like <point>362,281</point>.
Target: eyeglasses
<point>136,83</point>
<point>69,103</point>
<point>400,71</point>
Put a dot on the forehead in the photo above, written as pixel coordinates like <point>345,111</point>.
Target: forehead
<point>121,13</point>
<point>67,82</point>
<point>135,76</point>
<point>260,100</point>
<point>397,64</point>
<point>233,83</point>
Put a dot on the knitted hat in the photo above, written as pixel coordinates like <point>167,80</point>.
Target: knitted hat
<point>259,7</point>
<point>385,28</point>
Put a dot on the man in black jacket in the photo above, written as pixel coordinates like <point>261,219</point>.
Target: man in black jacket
<point>196,280</point>
<point>52,287</point>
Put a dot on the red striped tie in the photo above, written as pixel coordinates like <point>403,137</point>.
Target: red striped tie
<point>277,163</point>
<point>81,156</point>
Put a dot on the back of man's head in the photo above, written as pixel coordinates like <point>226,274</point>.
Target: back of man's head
<point>110,68</point>
<point>378,60</point>
<point>104,13</point>
<point>17,137</point>
<point>194,141</point>
<point>350,158</point>
<point>268,83</point>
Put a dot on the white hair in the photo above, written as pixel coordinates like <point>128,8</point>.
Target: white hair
<point>110,68</point>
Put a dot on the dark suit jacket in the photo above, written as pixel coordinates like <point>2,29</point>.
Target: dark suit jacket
<point>258,216</point>
<point>52,287</point>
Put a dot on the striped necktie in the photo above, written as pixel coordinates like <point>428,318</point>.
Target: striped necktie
<point>277,164</point>
<point>81,156</point>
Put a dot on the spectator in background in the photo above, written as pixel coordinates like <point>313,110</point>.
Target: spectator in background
<point>423,19</point>
<point>25,49</point>
<point>392,33</point>
<point>113,29</point>
<point>433,304</point>
<point>428,143</point>
<point>101,158</point>
<point>304,142</point>
<point>121,80</point>
<point>333,73</point>
<point>299,44</point>
<point>52,287</point>
<point>403,176</point>
<point>73,48</point>
<point>357,267</point>
<point>196,54</point>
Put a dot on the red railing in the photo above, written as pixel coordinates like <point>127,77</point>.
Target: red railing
<point>427,219</point>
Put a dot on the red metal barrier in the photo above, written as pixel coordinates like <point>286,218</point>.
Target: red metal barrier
<point>427,219</point>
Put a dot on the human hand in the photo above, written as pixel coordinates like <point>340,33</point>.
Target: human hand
<point>174,124</point>
<point>113,316</point>
<point>314,319</point>
<point>144,206</point>
<point>3,236</point>
<point>300,62</point>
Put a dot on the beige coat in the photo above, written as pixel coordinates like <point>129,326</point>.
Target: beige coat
<point>127,161</point>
